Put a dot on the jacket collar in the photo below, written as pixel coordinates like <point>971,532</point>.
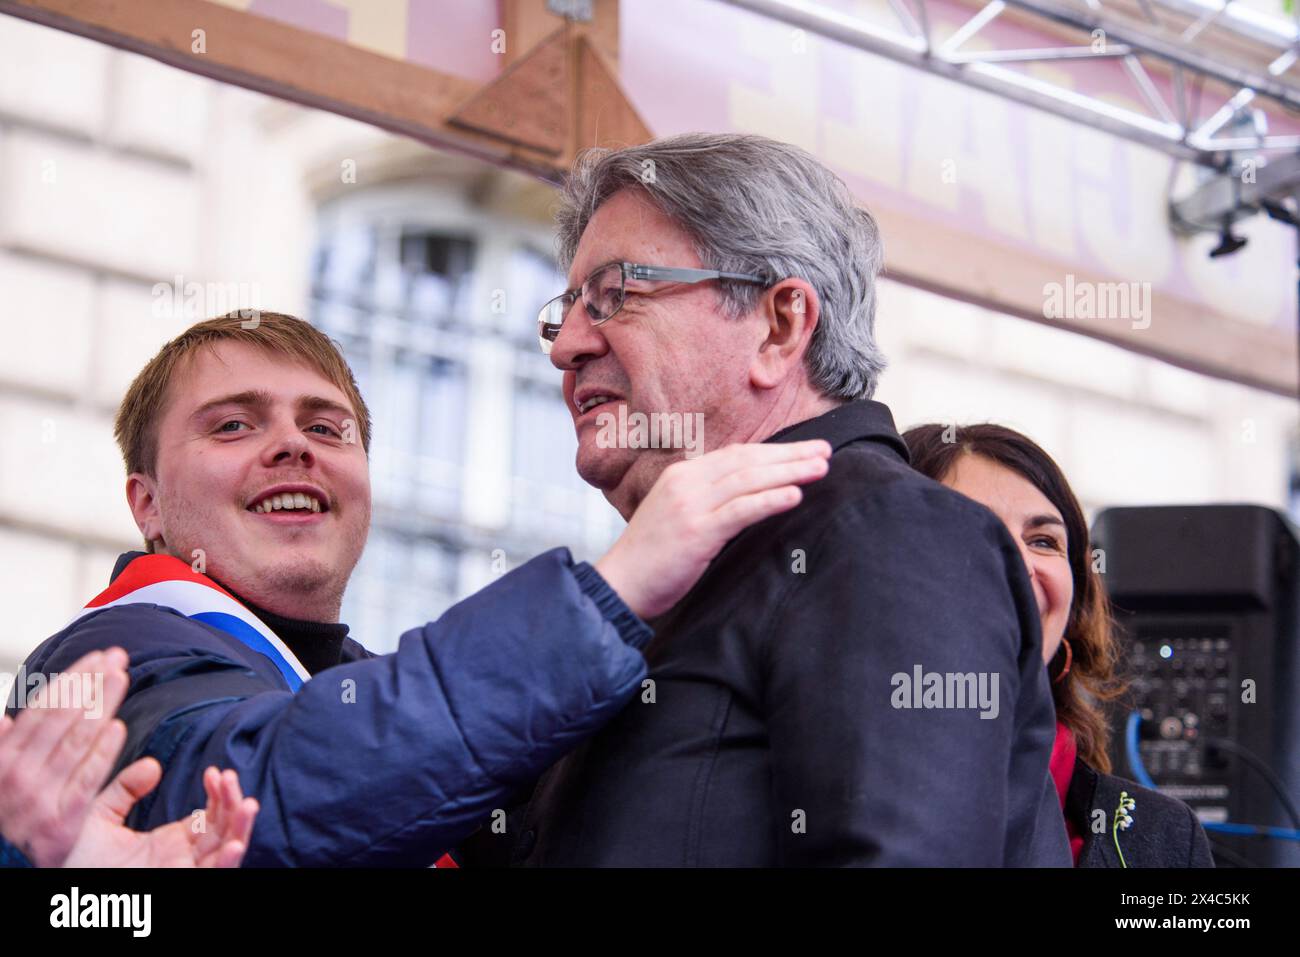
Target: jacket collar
<point>1091,789</point>
<point>863,420</point>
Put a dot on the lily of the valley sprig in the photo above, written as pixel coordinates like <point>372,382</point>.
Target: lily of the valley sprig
<point>1123,821</point>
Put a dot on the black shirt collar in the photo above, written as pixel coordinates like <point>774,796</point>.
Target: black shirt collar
<point>317,644</point>
<point>863,420</point>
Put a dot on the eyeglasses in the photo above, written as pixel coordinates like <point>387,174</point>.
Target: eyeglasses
<point>605,290</point>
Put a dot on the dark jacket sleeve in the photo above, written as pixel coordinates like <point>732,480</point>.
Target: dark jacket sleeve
<point>1199,853</point>
<point>911,575</point>
<point>393,759</point>
<point>10,856</point>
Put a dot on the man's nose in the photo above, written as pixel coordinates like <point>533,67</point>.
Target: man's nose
<point>288,444</point>
<point>578,340</point>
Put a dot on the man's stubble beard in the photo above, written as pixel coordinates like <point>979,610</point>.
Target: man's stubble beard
<point>299,576</point>
<point>264,576</point>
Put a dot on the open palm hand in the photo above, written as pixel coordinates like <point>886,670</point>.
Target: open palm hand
<point>215,837</point>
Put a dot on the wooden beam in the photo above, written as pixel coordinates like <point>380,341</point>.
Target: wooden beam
<point>283,61</point>
<point>560,97</point>
<point>605,116</point>
<point>1185,332</point>
<point>528,104</point>
<point>528,22</point>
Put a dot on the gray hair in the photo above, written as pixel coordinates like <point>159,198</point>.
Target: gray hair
<point>754,205</point>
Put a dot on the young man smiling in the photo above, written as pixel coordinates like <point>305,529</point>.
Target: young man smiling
<point>231,616</point>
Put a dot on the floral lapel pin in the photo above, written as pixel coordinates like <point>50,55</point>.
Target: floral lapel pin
<point>1123,821</point>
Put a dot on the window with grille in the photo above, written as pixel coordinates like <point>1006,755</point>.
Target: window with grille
<point>438,322</point>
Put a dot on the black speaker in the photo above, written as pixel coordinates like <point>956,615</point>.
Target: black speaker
<point>1206,598</point>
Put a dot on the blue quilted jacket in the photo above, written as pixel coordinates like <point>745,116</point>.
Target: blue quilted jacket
<point>380,760</point>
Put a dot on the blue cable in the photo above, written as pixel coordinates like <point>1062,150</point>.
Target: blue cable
<point>1261,830</point>
<point>1134,758</point>
<point>1143,778</point>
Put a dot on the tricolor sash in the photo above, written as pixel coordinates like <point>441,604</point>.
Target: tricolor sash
<point>166,580</point>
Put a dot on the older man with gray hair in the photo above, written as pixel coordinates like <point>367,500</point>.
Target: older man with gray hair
<point>856,681</point>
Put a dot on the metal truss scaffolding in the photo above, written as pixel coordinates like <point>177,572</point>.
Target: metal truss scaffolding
<point>1223,47</point>
<point>1221,56</point>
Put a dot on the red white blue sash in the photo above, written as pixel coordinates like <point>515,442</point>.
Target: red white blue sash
<point>167,581</point>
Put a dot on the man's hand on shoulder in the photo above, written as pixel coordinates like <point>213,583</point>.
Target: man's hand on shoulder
<point>695,507</point>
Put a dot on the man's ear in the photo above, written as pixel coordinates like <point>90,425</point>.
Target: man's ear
<point>142,497</point>
<point>790,310</point>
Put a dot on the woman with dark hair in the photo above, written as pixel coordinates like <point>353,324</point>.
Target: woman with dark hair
<point>1111,822</point>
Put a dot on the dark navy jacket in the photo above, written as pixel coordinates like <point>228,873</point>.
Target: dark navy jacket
<point>771,735</point>
<point>379,760</point>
